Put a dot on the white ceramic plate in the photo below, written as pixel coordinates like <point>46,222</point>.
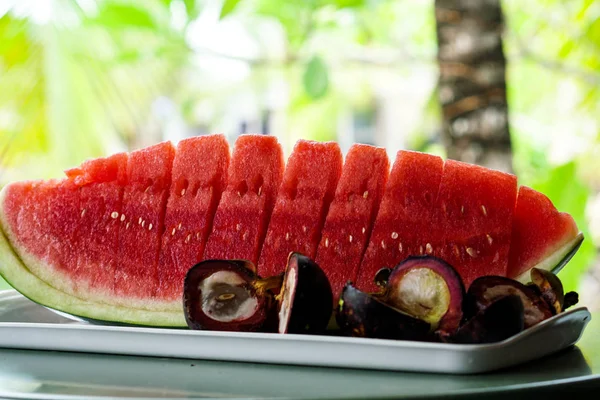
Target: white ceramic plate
<point>26,325</point>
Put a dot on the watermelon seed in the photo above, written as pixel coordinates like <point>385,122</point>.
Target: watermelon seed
<point>150,227</point>
<point>143,223</point>
<point>383,244</point>
<point>394,235</point>
<point>326,242</point>
<point>456,251</point>
<point>259,190</point>
<point>428,248</point>
<point>421,249</point>
<point>489,238</point>
<point>350,238</point>
<point>287,236</point>
<point>122,217</point>
<point>83,212</point>
<point>462,209</point>
<point>114,215</point>
<point>400,247</point>
<point>182,192</point>
<point>173,232</point>
<point>471,252</point>
<point>304,228</point>
<point>484,210</point>
<point>238,227</point>
<point>363,230</point>
<point>245,236</point>
<point>179,226</point>
<point>365,194</point>
<point>127,226</point>
<point>139,220</point>
<point>198,235</point>
<point>188,237</point>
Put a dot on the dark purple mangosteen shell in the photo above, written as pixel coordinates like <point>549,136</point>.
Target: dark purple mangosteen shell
<point>311,300</point>
<point>450,322</point>
<point>198,320</point>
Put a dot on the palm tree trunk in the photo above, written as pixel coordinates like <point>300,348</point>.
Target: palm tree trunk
<point>472,83</point>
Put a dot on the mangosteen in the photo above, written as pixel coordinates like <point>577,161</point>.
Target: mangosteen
<point>500,319</point>
<point>363,315</point>
<point>227,295</point>
<point>487,289</point>
<point>382,276</point>
<point>305,298</point>
<point>550,288</point>
<point>427,288</point>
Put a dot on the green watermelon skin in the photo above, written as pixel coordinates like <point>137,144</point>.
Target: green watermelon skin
<point>307,189</point>
<point>408,219</point>
<point>199,177</point>
<point>477,206</point>
<point>241,219</point>
<point>141,222</point>
<point>351,214</point>
<point>539,230</point>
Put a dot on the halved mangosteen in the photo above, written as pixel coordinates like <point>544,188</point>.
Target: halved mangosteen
<point>363,315</point>
<point>227,295</point>
<point>429,289</point>
<point>305,298</point>
<point>550,288</point>
<point>501,319</point>
<point>487,289</point>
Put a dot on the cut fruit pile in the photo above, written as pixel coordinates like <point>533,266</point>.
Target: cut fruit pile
<point>114,240</point>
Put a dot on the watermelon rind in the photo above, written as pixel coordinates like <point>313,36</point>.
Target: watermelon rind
<point>556,261</point>
<point>19,277</point>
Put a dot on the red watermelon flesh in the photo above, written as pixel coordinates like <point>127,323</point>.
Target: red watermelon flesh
<point>198,179</point>
<point>351,214</point>
<point>241,219</point>
<point>538,231</point>
<point>141,222</point>
<point>100,196</point>
<point>407,222</point>
<point>307,189</point>
<point>477,206</point>
<point>42,217</point>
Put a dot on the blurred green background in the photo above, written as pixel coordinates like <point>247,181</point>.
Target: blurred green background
<point>85,78</point>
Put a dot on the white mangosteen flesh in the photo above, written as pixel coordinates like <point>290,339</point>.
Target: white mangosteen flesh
<point>225,299</point>
<point>287,300</point>
<point>422,293</point>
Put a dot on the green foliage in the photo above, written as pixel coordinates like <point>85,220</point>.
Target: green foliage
<point>228,7</point>
<point>315,78</point>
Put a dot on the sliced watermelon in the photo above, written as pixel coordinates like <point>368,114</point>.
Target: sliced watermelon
<point>307,190</point>
<point>477,206</point>
<point>198,179</point>
<point>41,219</point>
<point>408,221</point>
<point>101,194</point>
<point>241,219</point>
<point>351,214</point>
<point>141,222</point>
<point>541,237</point>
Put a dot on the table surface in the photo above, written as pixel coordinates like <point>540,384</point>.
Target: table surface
<point>47,374</point>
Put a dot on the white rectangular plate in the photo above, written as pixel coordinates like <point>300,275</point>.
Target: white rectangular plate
<point>26,325</point>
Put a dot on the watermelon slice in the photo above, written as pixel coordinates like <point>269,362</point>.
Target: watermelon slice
<point>541,237</point>
<point>101,193</point>
<point>408,221</point>
<point>241,219</point>
<point>306,192</point>
<point>198,179</point>
<point>351,214</point>
<point>141,221</point>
